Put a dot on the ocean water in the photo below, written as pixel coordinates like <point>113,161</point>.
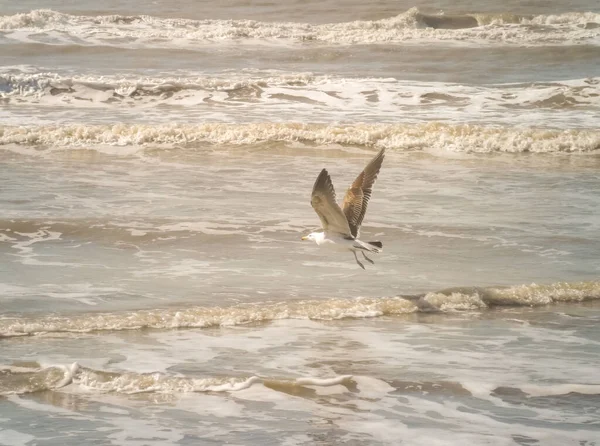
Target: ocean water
<point>156,163</point>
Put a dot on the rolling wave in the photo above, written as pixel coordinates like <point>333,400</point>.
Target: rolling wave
<point>454,299</point>
<point>32,377</point>
<point>15,84</point>
<point>431,137</point>
<point>55,28</point>
<point>337,95</point>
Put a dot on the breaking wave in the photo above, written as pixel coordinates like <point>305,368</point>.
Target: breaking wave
<point>35,378</point>
<point>454,299</point>
<point>32,377</point>
<point>412,25</point>
<point>109,89</point>
<point>433,136</point>
<point>333,96</point>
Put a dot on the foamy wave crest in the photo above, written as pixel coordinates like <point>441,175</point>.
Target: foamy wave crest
<point>321,98</point>
<point>110,89</point>
<point>131,382</point>
<point>476,298</point>
<point>534,390</point>
<point>133,31</point>
<point>29,378</point>
<point>34,378</point>
<point>200,317</point>
<point>455,299</point>
<point>434,137</point>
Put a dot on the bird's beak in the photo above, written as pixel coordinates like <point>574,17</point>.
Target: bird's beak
<point>305,238</point>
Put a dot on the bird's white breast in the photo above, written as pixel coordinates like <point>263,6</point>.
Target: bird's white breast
<point>335,242</point>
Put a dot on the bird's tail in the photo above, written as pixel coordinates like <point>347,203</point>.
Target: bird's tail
<point>368,246</point>
<point>376,244</point>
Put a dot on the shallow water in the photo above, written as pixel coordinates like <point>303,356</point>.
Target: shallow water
<point>156,162</point>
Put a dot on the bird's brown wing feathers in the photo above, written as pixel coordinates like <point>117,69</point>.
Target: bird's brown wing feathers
<point>324,204</point>
<point>358,195</point>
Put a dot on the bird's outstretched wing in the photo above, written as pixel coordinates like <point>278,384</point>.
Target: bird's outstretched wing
<point>324,204</point>
<point>358,195</point>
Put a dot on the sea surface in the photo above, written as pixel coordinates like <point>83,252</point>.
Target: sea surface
<point>156,164</point>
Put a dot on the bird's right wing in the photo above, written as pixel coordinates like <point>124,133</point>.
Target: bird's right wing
<point>324,204</point>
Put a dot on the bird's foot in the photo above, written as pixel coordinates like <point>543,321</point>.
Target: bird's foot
<point>358,261</point>
<point>368,259</point>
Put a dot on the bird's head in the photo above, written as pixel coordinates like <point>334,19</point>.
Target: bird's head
<point>313,236</point>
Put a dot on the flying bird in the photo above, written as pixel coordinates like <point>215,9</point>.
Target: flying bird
<point>341,225</point>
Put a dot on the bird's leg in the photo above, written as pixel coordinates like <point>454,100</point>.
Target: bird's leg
<point>367,259</point>
<point>357,261</point>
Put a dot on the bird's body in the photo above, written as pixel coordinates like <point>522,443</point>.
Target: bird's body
<point>341,225</point>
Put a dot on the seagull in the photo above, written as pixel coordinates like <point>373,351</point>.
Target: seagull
<point>341,225</point>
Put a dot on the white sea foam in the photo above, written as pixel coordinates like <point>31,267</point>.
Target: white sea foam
<point>433,137</point>
<point>520,295</point>
<point>27,379</point>
<point>322,382</point>
<point>560,389</point>
<point>411,26</point>
<point>256,93</point>
<point>69,371</point>
<point>542,294</point>
<point>199,317</point>
<point>455,301</point>
<point>131,382</point>
<point>31,82</point>
<point>19,380</point>
<point>329,309</point>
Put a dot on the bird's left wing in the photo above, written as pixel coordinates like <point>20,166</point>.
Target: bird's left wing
<point>358,195</point>
<point>324,204</point>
